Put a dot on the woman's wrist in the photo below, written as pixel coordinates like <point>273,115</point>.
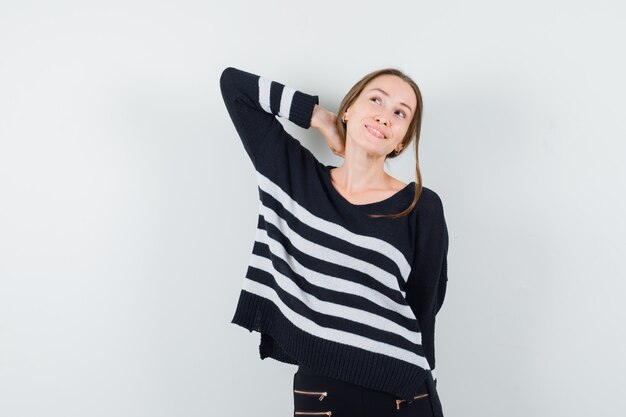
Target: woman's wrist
<point>316,116</point>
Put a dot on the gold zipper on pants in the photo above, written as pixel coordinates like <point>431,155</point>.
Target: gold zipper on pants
<point>417,396</point>
<point>321,394</point>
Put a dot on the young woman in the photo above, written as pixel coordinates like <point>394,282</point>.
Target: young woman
<point>349,265</point>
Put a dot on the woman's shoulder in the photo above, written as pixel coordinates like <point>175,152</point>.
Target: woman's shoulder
<point>429,201</point>
<point>396,184</point>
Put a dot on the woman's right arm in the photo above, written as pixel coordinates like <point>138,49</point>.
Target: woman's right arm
<point>253,102</point>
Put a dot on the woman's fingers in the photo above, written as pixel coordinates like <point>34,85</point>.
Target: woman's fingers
<point>338,153</point>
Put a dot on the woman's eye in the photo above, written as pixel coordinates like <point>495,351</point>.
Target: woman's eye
<point>403,114</point>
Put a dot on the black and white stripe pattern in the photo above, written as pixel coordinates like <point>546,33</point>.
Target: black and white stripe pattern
<point>399,321</point>
<point>284,92</point>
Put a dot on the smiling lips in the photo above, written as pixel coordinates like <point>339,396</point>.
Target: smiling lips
<point>376,132</point>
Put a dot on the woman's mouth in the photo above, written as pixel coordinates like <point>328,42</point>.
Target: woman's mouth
<point>375,132</point>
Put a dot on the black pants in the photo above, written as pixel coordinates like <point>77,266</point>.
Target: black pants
<point>317,395</point>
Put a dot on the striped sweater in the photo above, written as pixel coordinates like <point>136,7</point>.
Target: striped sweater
<point>349,296</point>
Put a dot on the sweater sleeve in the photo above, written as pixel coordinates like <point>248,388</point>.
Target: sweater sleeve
<point>431,242</point>
<point>253,102</point>
<point>443,276</point>
<point>427,282</point>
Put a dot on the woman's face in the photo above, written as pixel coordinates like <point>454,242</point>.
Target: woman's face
<point>386,104</point>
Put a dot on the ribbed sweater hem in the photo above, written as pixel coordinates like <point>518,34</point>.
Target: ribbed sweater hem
<point>329,358</point>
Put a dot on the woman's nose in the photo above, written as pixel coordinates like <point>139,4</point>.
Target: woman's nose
<point>383,120</point>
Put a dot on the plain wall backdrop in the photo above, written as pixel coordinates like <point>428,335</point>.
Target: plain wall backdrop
<point>128,204</point>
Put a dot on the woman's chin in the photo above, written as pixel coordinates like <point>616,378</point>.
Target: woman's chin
<point>373,147</point>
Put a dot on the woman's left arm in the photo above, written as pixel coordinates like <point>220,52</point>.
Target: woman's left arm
<point>443,276</point>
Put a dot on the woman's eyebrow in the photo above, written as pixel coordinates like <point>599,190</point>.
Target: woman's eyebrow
<point>385,93</point>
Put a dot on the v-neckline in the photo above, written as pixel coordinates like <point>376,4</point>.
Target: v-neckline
<point>389,201</point>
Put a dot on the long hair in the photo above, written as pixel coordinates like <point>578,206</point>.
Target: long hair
<point>413,132</point>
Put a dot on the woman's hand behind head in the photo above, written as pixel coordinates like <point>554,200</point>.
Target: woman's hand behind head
<point>326,122</point>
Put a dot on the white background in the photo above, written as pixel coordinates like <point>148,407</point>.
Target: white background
<point>128,204</point>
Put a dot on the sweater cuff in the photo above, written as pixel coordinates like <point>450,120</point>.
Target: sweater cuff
<point>302,107</point>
